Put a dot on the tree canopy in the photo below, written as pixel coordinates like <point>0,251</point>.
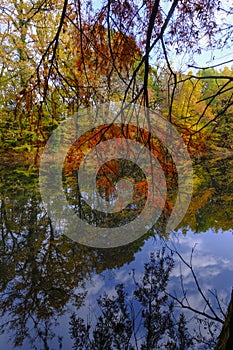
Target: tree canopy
<point>59,56</point>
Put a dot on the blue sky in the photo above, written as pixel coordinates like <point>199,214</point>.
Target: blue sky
<point>206,59</point>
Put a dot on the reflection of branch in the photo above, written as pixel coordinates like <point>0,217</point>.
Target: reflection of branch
<point>184,302</point>
<point>215,294</point>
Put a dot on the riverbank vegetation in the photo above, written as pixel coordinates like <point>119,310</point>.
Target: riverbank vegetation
<point>60,56</point>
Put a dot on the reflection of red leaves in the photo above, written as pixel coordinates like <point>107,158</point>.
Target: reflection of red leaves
<point>110,174</point>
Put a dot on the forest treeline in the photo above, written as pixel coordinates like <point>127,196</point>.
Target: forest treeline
<point>60,56</point>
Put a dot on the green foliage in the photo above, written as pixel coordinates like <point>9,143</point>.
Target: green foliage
<point>88,56</point>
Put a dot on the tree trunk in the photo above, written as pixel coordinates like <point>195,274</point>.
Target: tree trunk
<point>225,340</point>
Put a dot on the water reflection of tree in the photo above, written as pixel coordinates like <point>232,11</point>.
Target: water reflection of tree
<point>41,271</point>
<point>120,324</point>
<point>148,318</point>
<point>212,198</point>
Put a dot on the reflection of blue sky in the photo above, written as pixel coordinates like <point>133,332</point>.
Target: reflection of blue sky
<point>212,261</point>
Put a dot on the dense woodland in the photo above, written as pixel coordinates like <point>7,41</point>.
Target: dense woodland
<point>60,56</point>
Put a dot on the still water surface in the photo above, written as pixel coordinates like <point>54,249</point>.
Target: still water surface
<point>45,278</point>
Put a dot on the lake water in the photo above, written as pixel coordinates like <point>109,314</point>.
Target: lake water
<point>46,279</point>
